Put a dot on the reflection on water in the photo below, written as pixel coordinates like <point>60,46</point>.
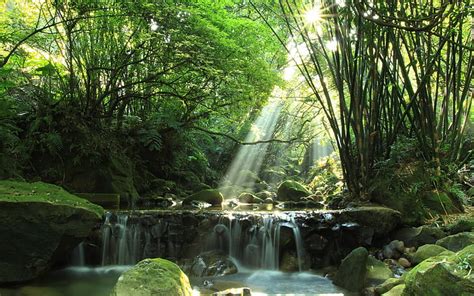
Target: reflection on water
<point>87,281</point>
<point>72,281</point>
<point>270,282</point>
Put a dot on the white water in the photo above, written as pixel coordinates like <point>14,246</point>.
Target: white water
<point>260,246</point>
<point>78,255</point>
<point>249,158</point>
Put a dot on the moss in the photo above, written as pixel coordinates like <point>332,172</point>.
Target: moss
<point>211,196</point>
<point>19,191</point>
<point>291,191</point>
<point>457,242</point>
<point>438,202</point>
<point>395,291</point>
<point>445,274</point>
<point>153,277</point>
<point>427,251</point>
<point>377,272</point>
<point>352,272</point>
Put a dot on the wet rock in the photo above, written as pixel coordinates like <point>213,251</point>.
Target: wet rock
<point>352,271</point>
<point>211,196</point>
<point>265,195</point>
<point>377,272</point>
<point>457,242</point>
<point>212,263</point>
<point>153,277</point>
<point>417,236</point>
<point>427,251</point>
<point>388,285</point>
<point>442,275</point>
<point>381,219</point>
<point>234,292</point>
<point>289,262</point>
<point>393,250</point>
<point>403,262</point>
<point>316,242</point>
<point>291,191</point>
<point>246,197</point>
<point>396,291</point>
<point>40,225</point>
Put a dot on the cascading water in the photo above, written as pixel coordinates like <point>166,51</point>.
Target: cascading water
<point>259,245</point>
<point>78,256</point>
<point>120,242</point>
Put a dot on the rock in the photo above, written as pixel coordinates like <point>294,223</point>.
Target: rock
<point>438,202</point>
<point>234,292</point>
<point>153,277</point>
<point>442,275</point>
<point>211,196</point>
<point>40,224</point>
<point>352,271</point>
<point>426,251</point>
<point>395,291</point>
<point>212,263</point>
<point>417,236</point>
<point>316,242</point>
<point>403,262</point>
<point>265,195</point>
<point>291,191</point>
<point>461,225</point>
<point>388,285</point>
<point>377,272</point>
<point>247,197</point>
<point>381,219</point>
<point>393,250</point>
<point>457,242</point>
<point>289,262</point>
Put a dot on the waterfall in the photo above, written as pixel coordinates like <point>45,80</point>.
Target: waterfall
<point>78,255</point>
<point>120,241</point>
<point>259,245</point>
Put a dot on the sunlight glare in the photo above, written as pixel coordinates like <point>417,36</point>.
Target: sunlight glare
<point>313,15</point>
<point>331,45</point>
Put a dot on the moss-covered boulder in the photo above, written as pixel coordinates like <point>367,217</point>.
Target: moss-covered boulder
<point>377,272</point>
<point>427,251</point>
<point>388,285</point>
<point>352,272</point>
<point>40,224</point>
<point>418,236</point>
<point>395,291</point>
<point>211,196</point>
<point>465,224</point>
<point>381,219</point>
<point>442,275</point>
<point>153,277</point>
<point>247,197</point>
<point>291,191</point>
<point>457,242</point>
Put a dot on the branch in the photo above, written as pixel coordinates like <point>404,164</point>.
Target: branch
<point>243,143</point>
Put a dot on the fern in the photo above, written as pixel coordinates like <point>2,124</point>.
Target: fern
<point>151,139</point>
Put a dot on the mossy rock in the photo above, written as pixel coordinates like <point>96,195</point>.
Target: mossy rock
<point>291,191</point>
<point>427,251</point>
<point>381,219</point>
<point>395,291</point>
<point>377,272</point>
<point>442,275</point>
<point>418,236</point>
<point>457,242</point>
<point>461,225</point>
<point>388,285</point>
<point>210,196</point>
<point>352,272</point>
<point>42,223</point>
<point>153,277</point>
<point>247,197</point>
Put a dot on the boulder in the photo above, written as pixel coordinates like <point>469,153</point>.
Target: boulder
<point>377,272</point>
<point>393,250</point>
<point>442,275</point>
<point>42,224</point>
<point>418,236</point>
<point>291,191</point>
<point>211,196</point>
<point>395,291</point>
<point>212,263</point>
<point>247,197</point>
<point>352,272</point>
<point>383,220</point>
<point>457,242</point>
<point>461,225</point>
<point>153,277</point>
<point>427,251</point>
<point>388,285</point>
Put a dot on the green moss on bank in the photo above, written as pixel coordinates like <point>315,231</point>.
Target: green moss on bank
<point>19,191</point>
